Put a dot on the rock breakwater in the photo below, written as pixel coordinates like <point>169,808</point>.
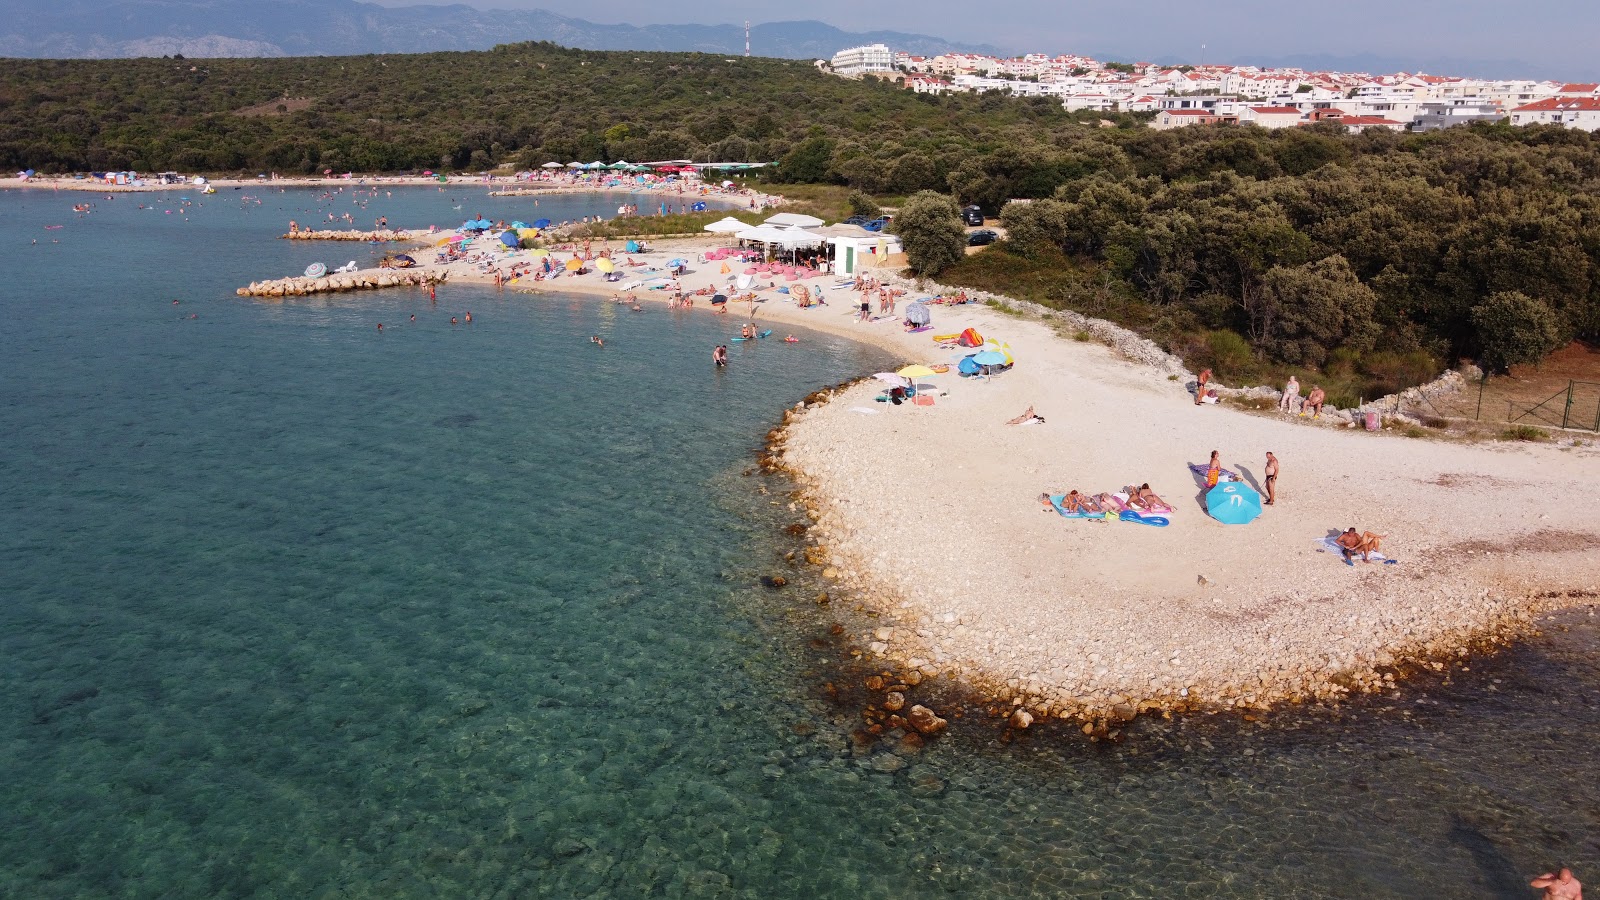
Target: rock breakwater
<point>350,235</point>
<point>352,281</point>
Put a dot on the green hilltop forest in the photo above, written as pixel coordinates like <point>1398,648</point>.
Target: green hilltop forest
<point>1379,254</point>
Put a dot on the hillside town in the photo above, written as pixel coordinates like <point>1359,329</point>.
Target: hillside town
<point>1204,94</point>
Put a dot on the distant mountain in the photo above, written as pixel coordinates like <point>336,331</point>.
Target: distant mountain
<point>215,28</point>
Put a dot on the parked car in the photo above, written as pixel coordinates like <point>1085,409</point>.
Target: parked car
<point>876,224</point>
<point>982,238</point>
<point>972,215</point>
<point>858,220</point>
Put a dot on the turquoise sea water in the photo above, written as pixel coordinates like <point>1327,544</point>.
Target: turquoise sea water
<point>294,609</point>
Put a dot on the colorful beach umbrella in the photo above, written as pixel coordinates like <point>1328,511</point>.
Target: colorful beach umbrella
<point>574,264</point>
<point>606,266</point>
<point>1233,503</point>
<point>916,371</point>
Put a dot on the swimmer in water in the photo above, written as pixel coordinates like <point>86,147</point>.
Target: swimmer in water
<point>453,321</point>
<point>469,316</point>
<point>380,326</point>
<point>413,317</point>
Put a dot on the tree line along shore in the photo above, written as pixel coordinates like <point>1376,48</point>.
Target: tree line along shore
<point>1373,260</point>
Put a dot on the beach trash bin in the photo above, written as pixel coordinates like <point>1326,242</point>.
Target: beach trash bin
<point>1372,421</point>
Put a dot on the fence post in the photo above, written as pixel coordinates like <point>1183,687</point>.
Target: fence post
<point>1482,380</point>
<point>1567,413</point>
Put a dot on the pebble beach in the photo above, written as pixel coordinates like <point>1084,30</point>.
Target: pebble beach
<point>929,516</point>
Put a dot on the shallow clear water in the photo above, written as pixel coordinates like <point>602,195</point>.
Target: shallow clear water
<point>291,608</point>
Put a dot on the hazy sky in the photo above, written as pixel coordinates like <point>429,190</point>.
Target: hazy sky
<point>1559,36</point>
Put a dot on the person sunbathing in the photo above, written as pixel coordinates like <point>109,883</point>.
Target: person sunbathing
<point>1148,498</point>
<point>1073,502</point>
<point>1026,416</point>
<point>1366,543</point>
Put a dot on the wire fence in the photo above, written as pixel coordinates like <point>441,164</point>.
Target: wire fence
<point>1512,401</point>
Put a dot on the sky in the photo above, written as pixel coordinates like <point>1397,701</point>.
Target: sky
<point>1557,37</point>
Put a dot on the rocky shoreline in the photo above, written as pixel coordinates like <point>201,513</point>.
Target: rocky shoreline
<point>917,643</point>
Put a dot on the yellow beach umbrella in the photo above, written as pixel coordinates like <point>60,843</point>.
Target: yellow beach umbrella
<point>539,252</point>
<point>916,371</point>
<point>606,266</point>
<point>574,264</point>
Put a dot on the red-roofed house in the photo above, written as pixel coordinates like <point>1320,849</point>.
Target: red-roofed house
<point>1270,116</point>
<point>1178,118</point>
<point>1580,90</point>
<point>1356,124</point>
<point>1582,113</point>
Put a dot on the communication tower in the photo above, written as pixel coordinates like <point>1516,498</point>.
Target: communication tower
<point>746,37</point>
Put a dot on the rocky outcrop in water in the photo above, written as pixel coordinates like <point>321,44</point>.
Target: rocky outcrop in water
<point>348,235</point>
<point>353,281</point>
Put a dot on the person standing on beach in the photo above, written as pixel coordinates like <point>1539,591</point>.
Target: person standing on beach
<point>1214,470</point>
<point>1559,885</point>
<point>1272,478</point>
<point>1200,388</point>
<point>1291,397</point>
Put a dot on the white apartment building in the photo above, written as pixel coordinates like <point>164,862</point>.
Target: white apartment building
<point>1270,116</point>
<point>1434,116</point>
<point>861,60</point>
<point>1582,113</point>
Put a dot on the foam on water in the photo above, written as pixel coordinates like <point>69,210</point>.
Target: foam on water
<point>293,608</point>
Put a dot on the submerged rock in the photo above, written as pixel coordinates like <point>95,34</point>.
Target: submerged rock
<point>925,720</point>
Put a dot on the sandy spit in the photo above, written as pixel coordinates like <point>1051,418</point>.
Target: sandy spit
<point>930,516</point>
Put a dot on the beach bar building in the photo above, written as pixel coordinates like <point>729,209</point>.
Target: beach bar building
<point>852,254</point>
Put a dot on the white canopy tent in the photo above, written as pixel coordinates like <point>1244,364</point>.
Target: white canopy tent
<point>796,219</point>
<point>728,225</point>
<point>552,165</point>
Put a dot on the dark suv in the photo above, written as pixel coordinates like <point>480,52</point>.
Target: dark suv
<point>972,215</point>
<point>982,238</point>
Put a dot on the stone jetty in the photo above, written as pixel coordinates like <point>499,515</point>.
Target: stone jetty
<point>350,235</point>
<point>336,283</point>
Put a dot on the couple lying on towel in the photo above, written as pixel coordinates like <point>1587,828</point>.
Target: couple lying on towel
<point>1139,499</point>
<point>1073,502</point>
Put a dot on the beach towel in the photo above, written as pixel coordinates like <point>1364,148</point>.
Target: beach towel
<point>1202,470</point>
<point>1055,501</point>
<point>1331,545</point>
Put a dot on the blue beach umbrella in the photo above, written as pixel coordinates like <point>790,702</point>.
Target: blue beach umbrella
<point>989,358</point>
<point>511,240</point>
<point>541,223</point>
<point>1233,503</point>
